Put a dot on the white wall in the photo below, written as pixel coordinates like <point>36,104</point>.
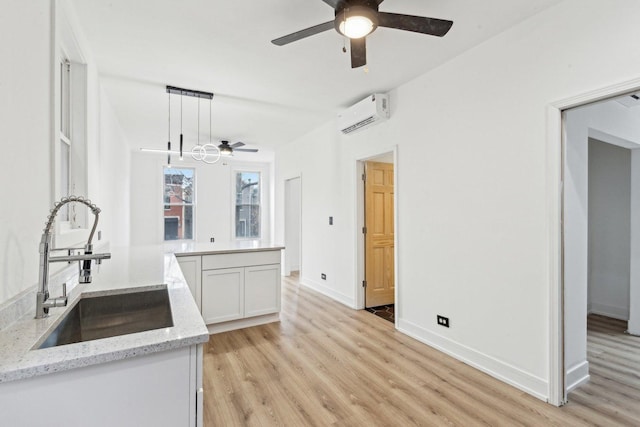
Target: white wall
<point>25,125</point>
<point>633,326</point>
<point>27,43</point>
<point>609,229</point>
<point>472,219</point>
<point>114,168</point>
<point>292,224</point>
<point>214,210</point>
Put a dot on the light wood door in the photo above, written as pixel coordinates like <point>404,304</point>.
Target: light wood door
<point>222,295</point>
<point>379,241</point>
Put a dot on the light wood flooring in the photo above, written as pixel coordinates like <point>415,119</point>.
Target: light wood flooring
<point>325,364</point>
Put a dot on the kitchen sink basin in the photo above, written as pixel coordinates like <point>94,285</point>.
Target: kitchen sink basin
<point>95,317</point>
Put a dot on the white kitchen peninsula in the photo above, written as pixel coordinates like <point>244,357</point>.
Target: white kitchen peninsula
<point>147,378</point>
<point>235,286</point>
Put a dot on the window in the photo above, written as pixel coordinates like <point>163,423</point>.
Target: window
<point>247,205</point>
<point>65,135</point>
<point>179,188</point>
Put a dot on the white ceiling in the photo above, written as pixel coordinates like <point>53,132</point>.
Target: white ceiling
<point>265,95</point>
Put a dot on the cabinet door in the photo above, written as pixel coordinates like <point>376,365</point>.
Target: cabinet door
<point>222,295</point>
<point>190,267</point>
<point>261,290</point>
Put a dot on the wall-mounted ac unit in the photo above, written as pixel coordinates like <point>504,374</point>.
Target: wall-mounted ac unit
<point>371,110</point>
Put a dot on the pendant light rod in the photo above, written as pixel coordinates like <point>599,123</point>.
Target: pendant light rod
<point>180,127</point>
<point>189,92</point>
<point>169,134</point>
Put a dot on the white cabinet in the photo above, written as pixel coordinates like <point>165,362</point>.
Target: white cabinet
<point>191,267</point>
<point>235,289</point>
<point>261,290</point>
<point>222,295</point>
<point>159,389</point>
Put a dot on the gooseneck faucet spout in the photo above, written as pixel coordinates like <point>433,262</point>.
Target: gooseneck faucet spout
<point>43,302</point>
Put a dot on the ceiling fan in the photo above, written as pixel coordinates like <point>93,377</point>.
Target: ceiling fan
<point>227,149</point>
<point>356,19</point>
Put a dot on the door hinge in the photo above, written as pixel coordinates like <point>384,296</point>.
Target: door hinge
<point>364,176</point>
<point>364,230</point>
<point>364,283</point>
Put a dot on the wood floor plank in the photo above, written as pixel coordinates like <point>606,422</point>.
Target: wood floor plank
<point>324,364</point>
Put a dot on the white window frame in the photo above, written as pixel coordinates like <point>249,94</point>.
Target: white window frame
<point>74,230</point>
<point>192,204</point>
<point>261,173</point>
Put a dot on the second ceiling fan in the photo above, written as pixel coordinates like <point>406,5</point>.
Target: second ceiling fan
<point>356,19</point>
<point>227,149</point>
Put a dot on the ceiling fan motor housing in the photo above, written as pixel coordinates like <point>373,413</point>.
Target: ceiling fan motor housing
<point>364,8</point>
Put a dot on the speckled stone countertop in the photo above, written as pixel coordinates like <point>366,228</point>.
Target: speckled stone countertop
<point>139,268</point>
<point>193,248</point>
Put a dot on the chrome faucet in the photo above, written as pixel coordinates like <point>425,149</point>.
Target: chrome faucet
<point>43,302</point>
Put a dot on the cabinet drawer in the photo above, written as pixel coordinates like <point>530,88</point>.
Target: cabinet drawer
<point>240,259</point>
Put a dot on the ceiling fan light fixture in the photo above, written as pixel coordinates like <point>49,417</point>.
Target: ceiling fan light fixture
<point>225,151</point>
<point>357,22</point>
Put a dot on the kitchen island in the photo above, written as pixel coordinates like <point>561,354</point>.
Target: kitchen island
<point>147,378</point>
<point>235,285</point>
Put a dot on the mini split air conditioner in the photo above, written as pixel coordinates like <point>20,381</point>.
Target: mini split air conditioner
<point>371,110</point>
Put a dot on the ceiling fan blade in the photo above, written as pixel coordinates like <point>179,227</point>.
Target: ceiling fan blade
<point>237,144</point>
<point>358,52</point>
<point>303,33</point>
<point>333,3</point>
<point>417,24</point>
<point>246,150</point>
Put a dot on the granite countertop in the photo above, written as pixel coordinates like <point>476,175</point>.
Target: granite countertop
<point>141,267</point>
<point>193,248</point>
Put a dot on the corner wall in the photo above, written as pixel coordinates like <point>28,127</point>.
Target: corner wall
<point>27,46</point>
<point>26,128</point>
<point>472,222</point>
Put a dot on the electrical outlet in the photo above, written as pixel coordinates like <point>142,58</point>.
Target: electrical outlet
<point>213,239</point>
<point>323,276</point>
<point>443,321</point>
<point>330,220</point>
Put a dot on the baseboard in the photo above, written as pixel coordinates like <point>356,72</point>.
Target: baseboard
<point>620,313</point>
<point>232,325</point>
<point>325,290</point>
<point>509,374</point>
<point>577,375</point>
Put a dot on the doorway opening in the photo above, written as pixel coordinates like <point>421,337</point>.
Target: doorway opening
<point>293,226</point>
<point>600,269</point>
<point>378,235</point>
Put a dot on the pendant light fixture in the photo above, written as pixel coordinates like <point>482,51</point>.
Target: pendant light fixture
<point>181,158</point>
<point>207,153</point>
<point>169,136</point>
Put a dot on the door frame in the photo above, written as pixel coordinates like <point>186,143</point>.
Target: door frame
<point>359,221</point>
<point>286,265</point>
<point>555,148</point>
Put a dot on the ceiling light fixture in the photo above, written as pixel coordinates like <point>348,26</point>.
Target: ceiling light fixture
<point>226,151</point>
<point>207,153</point>
<point>358,22</point>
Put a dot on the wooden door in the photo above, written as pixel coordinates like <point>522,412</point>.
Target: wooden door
<point>379,233</point>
